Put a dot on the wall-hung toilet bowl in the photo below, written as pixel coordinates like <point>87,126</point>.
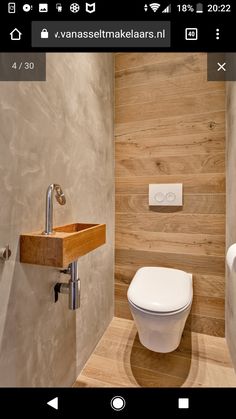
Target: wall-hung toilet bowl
<point>160,300</point>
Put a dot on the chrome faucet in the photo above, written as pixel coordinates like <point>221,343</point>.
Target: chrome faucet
<point>61,199</point>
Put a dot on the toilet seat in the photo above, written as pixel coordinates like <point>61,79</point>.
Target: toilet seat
<point>161,291</point>
<point>163,313</point>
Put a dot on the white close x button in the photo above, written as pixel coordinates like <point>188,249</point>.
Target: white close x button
<point>221,67</point>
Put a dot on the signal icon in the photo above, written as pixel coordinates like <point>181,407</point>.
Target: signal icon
<point>167,9</point>
<point>154,6</point>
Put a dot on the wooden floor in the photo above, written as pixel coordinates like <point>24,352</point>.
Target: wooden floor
<point>119,360</point>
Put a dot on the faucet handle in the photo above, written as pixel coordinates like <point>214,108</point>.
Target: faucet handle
<point>57,289</point>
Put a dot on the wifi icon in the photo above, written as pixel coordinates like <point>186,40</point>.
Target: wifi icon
<point>154,6</point>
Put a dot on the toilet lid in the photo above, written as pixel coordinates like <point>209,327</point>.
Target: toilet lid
<point>161,289</point>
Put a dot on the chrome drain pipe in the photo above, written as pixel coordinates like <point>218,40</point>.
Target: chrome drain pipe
<point>72,288</point>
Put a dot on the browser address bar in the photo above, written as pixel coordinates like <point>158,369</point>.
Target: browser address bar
<point>92,34</point>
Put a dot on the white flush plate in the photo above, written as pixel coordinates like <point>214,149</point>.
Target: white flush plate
<point>166,194</point>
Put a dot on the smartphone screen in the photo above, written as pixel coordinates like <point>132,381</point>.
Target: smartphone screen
<point>117,208</point>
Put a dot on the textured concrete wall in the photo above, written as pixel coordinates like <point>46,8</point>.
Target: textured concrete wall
<point>58,131</point>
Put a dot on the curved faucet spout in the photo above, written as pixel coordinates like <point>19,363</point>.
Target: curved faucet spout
<point>61,199</point>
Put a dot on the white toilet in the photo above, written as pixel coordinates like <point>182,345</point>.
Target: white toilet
<point>160,300</point>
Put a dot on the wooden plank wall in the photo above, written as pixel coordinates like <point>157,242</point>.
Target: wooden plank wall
<point>170,127</point>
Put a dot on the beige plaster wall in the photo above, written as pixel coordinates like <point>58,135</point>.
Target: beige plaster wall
<point>55,131</point>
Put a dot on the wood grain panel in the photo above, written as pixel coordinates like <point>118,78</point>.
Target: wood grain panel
<point>187,127</point>
<point>172,364</point>
<point>209,285</point>
<point>193,204</point>
<point>141,357</point>
<point>121,374</point>
<point>196,183</point>
<point>188,105</point>
<point>208,307</point>
<point>124,61</point>
<point>175,67</point>
<point>207,325</point>
<point>169,165</point>
<point>192,344</point>
<point>172,223</point>
<point>150,93</point>
<point>199,244</point>
<point>120,360</point>
<point>190,263</point>
<point>122,309</point>
<point>170,127</point>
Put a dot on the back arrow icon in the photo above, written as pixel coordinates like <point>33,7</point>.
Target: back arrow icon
<point>53,403</point>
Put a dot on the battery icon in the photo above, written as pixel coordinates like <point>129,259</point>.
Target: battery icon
<point>199,8</point>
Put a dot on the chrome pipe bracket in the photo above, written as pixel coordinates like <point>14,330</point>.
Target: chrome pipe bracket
<point>5,253</point>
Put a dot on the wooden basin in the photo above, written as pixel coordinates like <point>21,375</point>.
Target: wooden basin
<point>65,245</point>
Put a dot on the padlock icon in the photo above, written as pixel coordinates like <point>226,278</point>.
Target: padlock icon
<point>44,34</point>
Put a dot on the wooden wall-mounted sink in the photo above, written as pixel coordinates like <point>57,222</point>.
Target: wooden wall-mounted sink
<point>67,244</point>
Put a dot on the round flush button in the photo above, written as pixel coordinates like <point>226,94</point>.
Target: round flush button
<point>170,196</point>
<point>159,197</point>
<point>118,403</point>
